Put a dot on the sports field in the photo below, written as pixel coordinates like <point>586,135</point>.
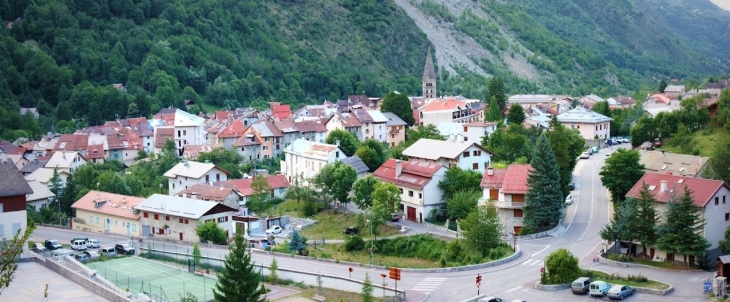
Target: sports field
<point>159,281</point>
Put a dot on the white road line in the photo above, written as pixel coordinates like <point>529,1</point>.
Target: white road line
<point>513,289</point>
<point>528,262</point>
<point>427,285</point>
<point>545,248</point>
<point>536,263</point>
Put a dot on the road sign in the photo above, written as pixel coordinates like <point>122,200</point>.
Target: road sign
<point>394,273</point>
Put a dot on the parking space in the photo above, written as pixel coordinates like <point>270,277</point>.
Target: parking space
<point>528,293</point>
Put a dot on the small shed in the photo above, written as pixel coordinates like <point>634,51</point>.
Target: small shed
<point>723,266</point>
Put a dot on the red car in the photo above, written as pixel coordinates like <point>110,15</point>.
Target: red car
<point>657,142</point>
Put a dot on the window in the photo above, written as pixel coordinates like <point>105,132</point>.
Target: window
<point>265,148</point>
<point>596,128</point>
<point>134,227</point>
<point>178,133</point>
<point>466,139</point>
<point>410,193</point>
<point>241,149</point>
<point>518,212</point>
<point>91,218</point>
<point>475,166</point>
<point>167,218</point>
<point>401,190</point>
<point>185,132</point>
<point>223,219</point>
<point>477,152</point>
<point>420,195</point>
<point>723,198</point>
<point>466,154</point>
<point>466,129</point>
<point>157,217</point>
<point>145,214</point>
<point>207,178</point>
<point>717,200</point>
<point>186,221</point>
<point>337,154</point>
<point>181,220</point>
<point>727,216</point>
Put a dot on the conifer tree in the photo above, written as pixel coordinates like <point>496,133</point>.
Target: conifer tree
<point>494,114</point>
<point>516,114</point>
<point>296,243</point>
<point>646,218</point>
<point>544,197</point>
<point>680,233</point>
<point>238,281</point>
<point>367,289</point>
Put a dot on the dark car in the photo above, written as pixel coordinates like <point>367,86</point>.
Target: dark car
<point>571,185</point>
<point>351,231</point>
<point>52,245</point>
<point>124,249</point>
<point>395,217</point>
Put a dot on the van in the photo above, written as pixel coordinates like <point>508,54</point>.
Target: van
<point>599,288</point>
<point>108,251</point>
<point>79,245</point>
<point>79,238</point>
<point>92,243</point>
<point>580,285</point>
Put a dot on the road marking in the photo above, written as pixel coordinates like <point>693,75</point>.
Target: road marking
<point>513,289</point>
<point>545,248</point>
<point>427,285</point>
<point>528,262</point>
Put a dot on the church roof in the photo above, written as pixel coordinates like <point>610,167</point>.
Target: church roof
<point>428,71</point>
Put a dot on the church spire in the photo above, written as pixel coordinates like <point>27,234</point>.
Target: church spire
<point>429,77</point>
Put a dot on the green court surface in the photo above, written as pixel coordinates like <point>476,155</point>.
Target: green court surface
<point>160,282</point>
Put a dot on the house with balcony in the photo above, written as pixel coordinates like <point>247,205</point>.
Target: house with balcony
<point>450,110</point>
<point>189,173</point>
<point>506,189</point>
<point>711,196</point>
<point>418,184</point>
<point>13,191</point>
<point>225,195</point>
<point>588,123</point>
<point>269,136</point>
<point>312,130</point>
<point>450,153</point>
<point>395,129</point>
<point>107,213</point>
<point>306,158</point>
<point>175,218</point>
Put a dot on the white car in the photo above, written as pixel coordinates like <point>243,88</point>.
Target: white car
<point>274,230</point>
<point>569,200</point>
<point>585,155</point>
<point>92,243</point>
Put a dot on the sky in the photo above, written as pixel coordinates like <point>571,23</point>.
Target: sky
<point>722,3</point>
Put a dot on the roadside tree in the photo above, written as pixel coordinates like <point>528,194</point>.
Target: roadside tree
<point>297,243</point>
<point>566,144</point>
<point>210,231</point>
<point>646,219</point>
<point>462,203</point>
<point>544,197</point>
<point>621,171</point>
<point>363,191</point>
<point>680,233</point>
<point>386,200</point>
<point>11,249</point>
<point>238,281</point>
<point>258,201</point>
<point>481,229</point>
<point>622,225</point>
<point>367,289</point>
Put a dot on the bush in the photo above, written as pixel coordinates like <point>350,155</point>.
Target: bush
<point>210,231</point>
<point>354,243</point>
<point>562,267</point>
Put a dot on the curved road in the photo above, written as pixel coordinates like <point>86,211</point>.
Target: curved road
<point>513,280</point>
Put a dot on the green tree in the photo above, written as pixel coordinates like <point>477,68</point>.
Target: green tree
<point>462,203</point>
<point>724,244</point>
<point>258,201</point>
<point>297,243</point>
<point>516,114</point>
<point>544,197</point>
<point>11,250</point>
<point>602,108</point>
<point>197,257</point>
<point>373,153</point>
<point>225,159</point>
<point>299,189</point>
<point>718,166</point>
<point>646,219</point>
<point>723,108</point>
<point>493,113</point>
<point>621,171</point>
<point>189,297</point>
<point>562,267</point>
<point>348,141</point>
<point>682,228</point>
<point>495,89</point>
<point>363,191</point>
<point>481,229</point>
<point>336,180</point>
<point>662,86</point>
<point>622,225</point>
<point>429,131</point>
<point>210,231</point>
<point>509,144</point>
<point>273,267</point>
<point>400,105</point>
<point>56,186</point>
<point>566,144</point>
<point>238,280</point>
<point>386,200</point>
<point>367,289</point>
<point>456,179</point>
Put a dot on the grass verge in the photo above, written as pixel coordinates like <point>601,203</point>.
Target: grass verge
<point>662,264</point>
<point>703,141</point>
<point>330,226</point>
<point>625,280</point>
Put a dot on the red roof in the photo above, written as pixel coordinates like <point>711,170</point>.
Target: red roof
<point>95,151</point>
<point>221,115</point>
<point>702,189</point>
<point>515,179</point>
<point>72,142</point>
<point>281,111</point>
<point>449,105</point>
<point>206,192</point>
<point>494,181</point>
<point>235,130</point>
<point>244,185</point>
<point>414,174</point>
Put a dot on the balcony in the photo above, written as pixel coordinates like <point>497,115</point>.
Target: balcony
<point>509,204</point>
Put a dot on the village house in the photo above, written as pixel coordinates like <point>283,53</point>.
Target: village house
<point>162,135</point>
<point>107,213</point>
<point>674,91</point>
<point>248,146</point>
<point>41,196</point>
<point>277,183</point>
<point>192,152</point>
<point>396,129</point>
<point>290,131</point>
<point>306,158</point>
<point>360,167</point>
<point>469,132</point>
<point>269,136</point>
<point>418,184</point>
<point>65,161</point>
<point>206,192</point>
<point>506,189</point>
<point>230,134</point>
<point>590,124</point>
<point>188,173</point>
<point>72,142</point>
<point>13,191</point>
<point>312,130</point>
<point>673,163</point>
<point>708,194</point>
<point>346,121</point>
<point>529,99</point>
<point>176,218</point>
<point>450,153</point>
<point>450,110</point>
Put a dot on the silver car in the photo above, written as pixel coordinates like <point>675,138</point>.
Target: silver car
<point>620,292</point>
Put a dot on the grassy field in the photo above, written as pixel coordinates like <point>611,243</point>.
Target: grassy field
<point>336,251</point>
<point>330,294</point>
<point>601,276</point>
<point>704,141</point>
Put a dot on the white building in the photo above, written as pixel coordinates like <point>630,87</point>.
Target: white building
<point>307,158</point>
<point>41,196</point>
<point>452,152</point>
<point>188,173</point>
<point>590,124</point>
<point>13,189</point>
<point>65,161</point>
<point>469,132</point>
<point>418,183</point>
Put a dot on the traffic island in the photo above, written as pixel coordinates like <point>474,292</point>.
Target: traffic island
<point>640,283</point>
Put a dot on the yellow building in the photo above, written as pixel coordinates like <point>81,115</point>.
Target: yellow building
<point>103,212</point>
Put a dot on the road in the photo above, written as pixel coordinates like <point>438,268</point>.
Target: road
<point>514,280</point>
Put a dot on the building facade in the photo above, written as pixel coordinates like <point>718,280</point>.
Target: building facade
<point>107,213</point>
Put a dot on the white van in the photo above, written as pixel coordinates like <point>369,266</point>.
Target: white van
<point>599,288</point>
<point>92,243</point>
<point>108,251</point>
<point>79,245</point>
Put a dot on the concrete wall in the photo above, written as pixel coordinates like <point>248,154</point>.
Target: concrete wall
<point>10,222</point>
<point>466,163</point>
<point>108,291</point>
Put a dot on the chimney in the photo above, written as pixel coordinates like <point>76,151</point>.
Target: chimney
<point>124,200</point>
<point>195,195</point>
<point>663,186</point>
<point>398,167</point>
<point>490,171</point>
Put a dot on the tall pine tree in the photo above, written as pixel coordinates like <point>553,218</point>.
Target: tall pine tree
<point>494,113</point>
<point>238,281</point>
<point>544,197</point>
<point>646,218</point>
<point>680,233</point>
<point>622,225</point>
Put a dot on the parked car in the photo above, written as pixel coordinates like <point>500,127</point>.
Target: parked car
<point>581,285</point>
<point>53,245</point>
<point>657,142</point>
<point>596,149</point>
<point>93,255</point>
<point>79,245</point>
<point>492,299</point>
<point>571,185</point>
<point>108,251</point>
<point>647,146</point>
<point>38,247</point>
<point>395,217</point>
<point>81,257</point>
<point>585,155</point>
<point>92,243</point>
<point>124,249</point>
<point>599,288</point>
<point>274,230</point>
<point>79,238</point>
<point>569,200</point>
<point>625,139</point>
<point>620,292</point>
<point>351,231</point>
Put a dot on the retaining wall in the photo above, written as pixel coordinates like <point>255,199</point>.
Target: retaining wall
<point>82,280</point>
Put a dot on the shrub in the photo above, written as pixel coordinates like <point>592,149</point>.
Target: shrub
<point>210,231</point>
<point>354,243</point>
<point>562,267</point>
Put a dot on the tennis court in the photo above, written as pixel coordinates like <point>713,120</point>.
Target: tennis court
<point>160,282</point>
